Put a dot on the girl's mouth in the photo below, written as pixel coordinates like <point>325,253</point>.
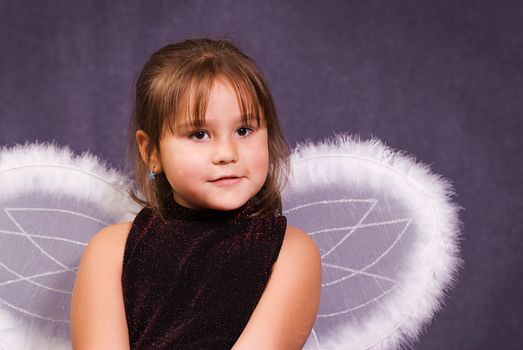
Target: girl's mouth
<point>227,180</point>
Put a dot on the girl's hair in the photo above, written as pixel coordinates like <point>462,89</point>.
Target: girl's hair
<point>176,82</point>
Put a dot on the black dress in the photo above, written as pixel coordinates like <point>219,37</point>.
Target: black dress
<point>193,281</point>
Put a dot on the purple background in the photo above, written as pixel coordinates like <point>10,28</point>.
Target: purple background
<point>442,80</point>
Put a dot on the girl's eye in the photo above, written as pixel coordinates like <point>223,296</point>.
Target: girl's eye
<point>198,135</point>
<point>244,131</point>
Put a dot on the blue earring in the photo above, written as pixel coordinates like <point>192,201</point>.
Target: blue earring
<point>152,175</point>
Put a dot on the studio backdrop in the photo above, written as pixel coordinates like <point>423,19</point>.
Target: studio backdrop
<point>441,80</point>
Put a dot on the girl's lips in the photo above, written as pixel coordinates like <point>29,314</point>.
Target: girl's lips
<point>225,181</point>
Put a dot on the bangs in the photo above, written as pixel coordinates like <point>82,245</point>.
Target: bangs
<point>188,100</point>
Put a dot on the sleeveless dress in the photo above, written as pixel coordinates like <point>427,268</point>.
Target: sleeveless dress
<point>193,281</point>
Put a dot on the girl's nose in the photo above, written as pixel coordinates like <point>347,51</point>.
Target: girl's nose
<point>225,152</point>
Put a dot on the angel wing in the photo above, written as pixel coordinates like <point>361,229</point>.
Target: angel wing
<point>388,237</point>
<point>385,226</point>
<point>51,203</point>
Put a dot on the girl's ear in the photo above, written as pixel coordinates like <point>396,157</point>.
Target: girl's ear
<point>153,161</point>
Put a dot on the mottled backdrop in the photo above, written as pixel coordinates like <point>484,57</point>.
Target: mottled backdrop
<point>442,80</point>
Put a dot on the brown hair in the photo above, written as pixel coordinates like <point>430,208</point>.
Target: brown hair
<point>176,81</point>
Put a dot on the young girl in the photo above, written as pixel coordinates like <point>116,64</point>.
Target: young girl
<point>209,262</point>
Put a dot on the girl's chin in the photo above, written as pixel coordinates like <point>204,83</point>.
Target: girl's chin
<point>216,200</point>
<point>223,207</point>
<point>226,205</point>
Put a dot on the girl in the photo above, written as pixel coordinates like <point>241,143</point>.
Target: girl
<point>209,262</point>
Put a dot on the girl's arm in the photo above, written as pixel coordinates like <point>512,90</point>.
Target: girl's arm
<point>288,306</point>
<point>97,310</point>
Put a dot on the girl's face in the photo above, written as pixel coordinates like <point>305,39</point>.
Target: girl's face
<point>223,164</point>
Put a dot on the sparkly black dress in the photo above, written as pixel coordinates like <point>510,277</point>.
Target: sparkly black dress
<point>193,282</point>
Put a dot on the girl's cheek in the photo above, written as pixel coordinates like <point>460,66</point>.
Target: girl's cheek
<point>187,165</point>
<point>261,161</point>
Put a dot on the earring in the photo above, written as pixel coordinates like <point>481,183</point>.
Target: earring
<point>152,175</point>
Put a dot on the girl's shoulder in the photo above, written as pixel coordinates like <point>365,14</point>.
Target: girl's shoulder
<point>297,246</point>
<point>113,236</point>
<point>298,240</point>
<point>108,244</point>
